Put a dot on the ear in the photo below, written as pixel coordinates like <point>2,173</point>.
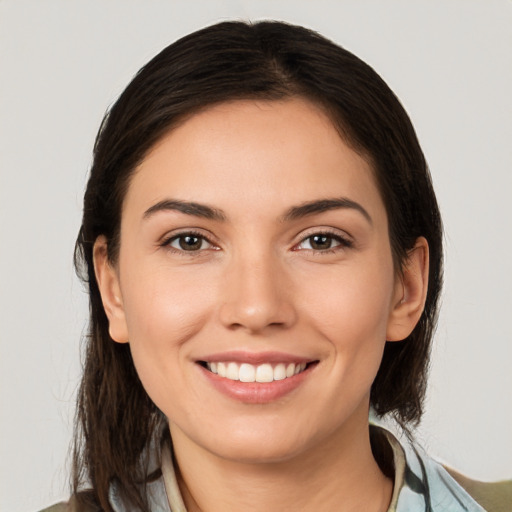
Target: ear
<point>108,283</point>
<point>410,293</point>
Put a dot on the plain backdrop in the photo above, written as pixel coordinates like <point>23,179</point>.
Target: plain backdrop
<point>62,63</point>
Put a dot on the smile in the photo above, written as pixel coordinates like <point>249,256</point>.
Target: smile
<point>245,372</point>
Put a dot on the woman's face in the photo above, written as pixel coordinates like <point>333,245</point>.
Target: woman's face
<point>255,280</point>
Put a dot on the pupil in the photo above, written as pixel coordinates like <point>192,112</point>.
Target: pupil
<point>321,242</point>
<point>190,243</point>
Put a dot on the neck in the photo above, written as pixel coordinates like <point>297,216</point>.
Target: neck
<point>339,474</point>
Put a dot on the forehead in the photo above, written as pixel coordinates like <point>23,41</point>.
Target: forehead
<point>251,154</point>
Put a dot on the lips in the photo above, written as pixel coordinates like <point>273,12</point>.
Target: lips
<point>256,378</point>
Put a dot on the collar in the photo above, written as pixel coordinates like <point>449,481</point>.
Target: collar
<point>421,483</point>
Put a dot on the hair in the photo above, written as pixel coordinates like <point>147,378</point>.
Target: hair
<point>116,420</point>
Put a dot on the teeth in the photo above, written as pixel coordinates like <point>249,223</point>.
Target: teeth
<point>232,372</point>
<point>280,372</point>
<point>264,373</point>
<point>250,373</point>
<point>221,369</point>
<point>247,373</point>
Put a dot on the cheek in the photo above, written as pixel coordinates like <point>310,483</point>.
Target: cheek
<point>164,310</point>
<point>353,299</point>
<point>165,306</point>
<point>350,308</point>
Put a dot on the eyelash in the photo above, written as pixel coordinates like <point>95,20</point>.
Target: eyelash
<point>343,242</point>
<point>190,233</point>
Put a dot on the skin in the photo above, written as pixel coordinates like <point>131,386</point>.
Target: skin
<point>257,283</point>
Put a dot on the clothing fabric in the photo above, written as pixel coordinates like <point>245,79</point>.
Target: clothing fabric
<point>420,485</point>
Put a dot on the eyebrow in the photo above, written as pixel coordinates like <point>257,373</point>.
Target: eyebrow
<point>294,213</point>
<point>324,205</point>
<point>187,207</point>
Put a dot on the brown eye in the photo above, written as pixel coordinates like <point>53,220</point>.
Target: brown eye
<point>321,242</point>
<point>189,242</point>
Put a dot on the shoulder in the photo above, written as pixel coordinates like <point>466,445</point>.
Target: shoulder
<point>492,496</point>
<point>58,507</point>
<point>81,503</point>
<point>422,483</point>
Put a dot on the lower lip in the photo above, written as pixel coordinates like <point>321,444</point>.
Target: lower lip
<point>256,392</point>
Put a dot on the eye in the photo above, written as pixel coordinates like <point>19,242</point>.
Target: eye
<point>190,242</point>
<point>323,242</point>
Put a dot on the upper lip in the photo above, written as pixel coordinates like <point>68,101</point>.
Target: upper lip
<point>255,358</point>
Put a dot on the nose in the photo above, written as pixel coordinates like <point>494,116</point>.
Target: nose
<point>257,296</point>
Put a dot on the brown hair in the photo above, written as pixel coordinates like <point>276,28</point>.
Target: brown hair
<point>116,420</point>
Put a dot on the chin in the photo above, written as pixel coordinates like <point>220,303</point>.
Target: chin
<point>260,451</point>
<point>267,443</point>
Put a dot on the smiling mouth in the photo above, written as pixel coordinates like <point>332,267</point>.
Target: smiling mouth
<point>245,372</point>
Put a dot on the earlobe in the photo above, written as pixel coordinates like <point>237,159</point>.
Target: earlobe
<point>108,284</point>
<point>410,293</point>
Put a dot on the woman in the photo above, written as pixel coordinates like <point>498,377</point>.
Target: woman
<point>263,251</point>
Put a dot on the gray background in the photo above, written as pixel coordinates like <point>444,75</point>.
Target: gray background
<point>63,62</point>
